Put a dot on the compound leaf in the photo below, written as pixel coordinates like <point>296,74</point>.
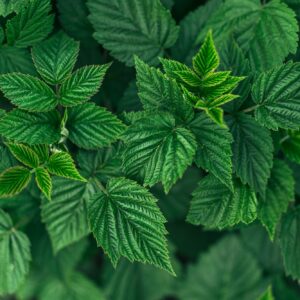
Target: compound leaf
<point>91,126</point>
<point>126,221</point>
<point>55,58</point>
<point>15,255</point>
<point>27,92</point>
<point>129,27</point>
<point>82,85</point>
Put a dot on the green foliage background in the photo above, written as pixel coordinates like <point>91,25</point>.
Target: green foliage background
<point>149,149</point>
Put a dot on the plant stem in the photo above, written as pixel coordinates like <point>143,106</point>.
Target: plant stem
<point>100,186</point>
<point>249,109</point>
<point>284,139</point>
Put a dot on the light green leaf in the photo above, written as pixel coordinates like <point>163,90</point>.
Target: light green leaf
<point>233,274</point>
<point>267,295</point>
<point>291,146</point>
<point>216,114</point>
<point>279,193</point>
<point>31,25</point>
<point>215,206</point>
<point>43,181</point>
<point>252,151</point>
<point>189,77</point>
<point>31,128</point>
<point>158,92</point>
<point>92,126</point>
<point>277,95</point>
<point>15,255</point>
<point>65,215</point>
<point>75,286</point>
<point>9,6</point>
<point>42,152</point>
<point>214,148</point>
<point>82,85</point>
<point>24,154</point>
<point>214,79</point>
<point>55,58</point>
<point>290,242</point>
<point>266,32</point>
<point>207,59</point>
<point>15,60</point>
<point>158,149</point>
<point>62,164</point>
<point>126,221</point>
<point>13,181</point>
<point>133,27</point>
<point>27,92</point>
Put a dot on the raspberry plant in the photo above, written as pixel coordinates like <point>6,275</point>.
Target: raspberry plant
<point>147,152</point>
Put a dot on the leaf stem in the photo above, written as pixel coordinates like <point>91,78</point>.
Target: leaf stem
<point>100,186</point>
<point>284,139</point>
<point>249,109</point>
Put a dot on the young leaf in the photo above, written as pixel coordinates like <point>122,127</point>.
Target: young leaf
<point>207,59</point>
<point>31,128</point>
<point>15,255</point>
<point>42,151</point>
<point>126,221</point>
<point>277,95</point>
<point>82,85</point>
<point>62,164</point>
<point>215,206</point>
<point>289,242</point>
<point>43,181</point>
<point>279,193</point>
<point>91,126</point>
<point>158,92</point>
<point>65,215</point>
<point>158,149</point>
<point>32,24</point>
<point>267,295</point>
<point>226,261</point>
<point>25,155</point>
<point>214,148</point>
<point>252,151</point>
<point>13,181</point>
<point>132,27</point>
<point>27,92</point>
<point>55,58</point>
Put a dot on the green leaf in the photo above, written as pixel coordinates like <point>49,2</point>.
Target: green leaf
<point>55,58</point>
<point>91,126</point>
<point>158,149</point>
<point>31,128</point>
<point>291,146</point>
<point>126,221</point>
<point>207,59</point>
<point>216,114</point>
<point>257,28</point>
<point>31,25</point>
<point>13,181</point>
<point>279,193</point>
<point>214,148</point>
<point>226,261</point>
<point>277,95</point>
<point>15,60</point>
<point>9,6</point>
<point>62,164</point>
<point>252,151</point>
<point>190,26</point>
<point>215,206</point>
<point>290,242</point>
<point>75,286</point>
<point>42,152</point>
<point>65,215</point>
<point>82,85</point>
<point>15,255</point>
<point>158,92</point>
<point>27,92</point>
<point>43,181</point>
<point>24,154</point>
<point>132,27</point>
